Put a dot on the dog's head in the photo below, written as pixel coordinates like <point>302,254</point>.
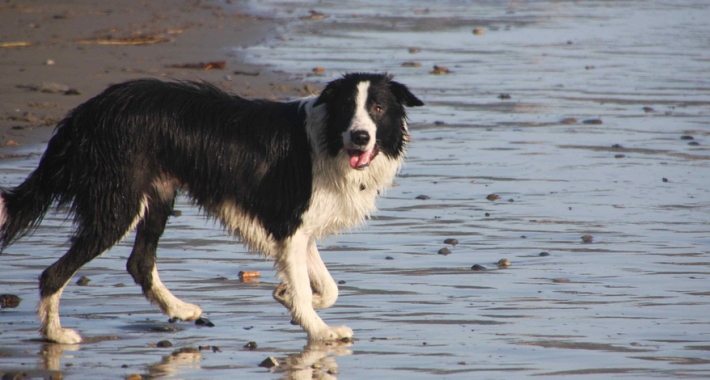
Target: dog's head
<point>366,116</point>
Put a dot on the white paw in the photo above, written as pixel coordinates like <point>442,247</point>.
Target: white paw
<point>63,336</point>
<point>184,311</point>
<point>335,333</point>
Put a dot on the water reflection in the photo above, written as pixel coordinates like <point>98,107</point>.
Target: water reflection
<point>316,361</point>
<point>177,362</point>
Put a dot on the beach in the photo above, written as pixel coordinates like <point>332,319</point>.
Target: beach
<point>551,219</point>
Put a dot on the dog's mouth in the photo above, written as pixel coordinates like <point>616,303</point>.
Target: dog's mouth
<point>361,159</point>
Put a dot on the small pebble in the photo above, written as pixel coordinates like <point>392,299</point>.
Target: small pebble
<point>414,50</point>
<point>423,197</point>
<point>318,70</point>
<point>619,155</point>
<point>694,143</point>
<point>493,197</point>
<point>134,376</point>
<point>451,241</point>
<point>49,62</point>
<point>648,109</point>
<point>487,214</point>
<point>204,322</point>
<point>444,251</point>
<point>479,31</point>
<point>478,267</point>
<point>587,238</point>
<point>9,300</point>
<point>561,280</point>
<point>569,120</point>
<point>164,343</point>
<point>665,179</point>
<point>503,263</point>
<point>216,349</point>
<point>251,345</point>
<point>176,213</point>
<point>83,281</point>
<point>593,121</point>
<point>504,96</point>
<point>389,258</point>
<point>617,146</point>
<point>411,64</point>
<point>544,254</point>
<point>439,70</point>
<point>687,137</point>
<point>341,282</point>
<point>269,362</point>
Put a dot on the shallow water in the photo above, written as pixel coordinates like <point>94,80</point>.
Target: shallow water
<point>633,303</point>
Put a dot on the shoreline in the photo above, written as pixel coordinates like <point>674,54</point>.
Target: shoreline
<point>56,56</point>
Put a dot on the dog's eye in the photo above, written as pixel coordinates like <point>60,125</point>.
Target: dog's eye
<point>378,109</point>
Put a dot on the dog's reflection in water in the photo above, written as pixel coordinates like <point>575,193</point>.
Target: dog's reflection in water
<point>316,361</point>
<point>52,353</point>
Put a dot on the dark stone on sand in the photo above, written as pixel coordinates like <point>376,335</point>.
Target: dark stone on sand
<point>504,96</point>
<point>83,281</point>
<point>687,137</point>
<point>587,238</point>
<point>617,146</point>
<point>694,143</point>
<point>72,91</point>
<point>251,345</point>
<point>176,213</point>
<point>544,254</point>
<point>9,301</point>
<point>444,251</point>
<point>423,197</point>
<point>439,122</point>
<point>204,322</point>
<point>389,258</point>
<point>488,214</point>
<point>451,241</point>
<point>593,121</point>
<point>216,349</point>
<point>569,120</point>
<point>478,267</point>
<point>648,109</point>
<point>269,362</point>
<point>341,282</point>
<point>619,155</point>
<point>665,179</point>
<point>493,197</point>
<point>164,343</point>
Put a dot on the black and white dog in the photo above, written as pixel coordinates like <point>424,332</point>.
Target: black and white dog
<point>278,175</point>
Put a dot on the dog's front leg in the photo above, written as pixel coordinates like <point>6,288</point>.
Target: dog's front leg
<point>292,266</point>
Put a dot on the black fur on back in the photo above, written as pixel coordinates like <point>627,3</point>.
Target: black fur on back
<point>108,152</point>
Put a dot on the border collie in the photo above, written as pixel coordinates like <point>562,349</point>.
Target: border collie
<point>278,175</point>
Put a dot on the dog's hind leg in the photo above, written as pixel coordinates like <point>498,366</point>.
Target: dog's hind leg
<point>292,263</point>
<point>142,263</point>
<point>91,239</point>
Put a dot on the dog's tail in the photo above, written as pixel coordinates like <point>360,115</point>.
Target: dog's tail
<point>23,207</point>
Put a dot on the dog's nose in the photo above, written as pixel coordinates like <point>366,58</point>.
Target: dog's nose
<point>360,137</point>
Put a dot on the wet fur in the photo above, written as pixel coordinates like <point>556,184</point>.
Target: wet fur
<point>275,174</point>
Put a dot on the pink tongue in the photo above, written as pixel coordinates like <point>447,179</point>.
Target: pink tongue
<point>359,159</point>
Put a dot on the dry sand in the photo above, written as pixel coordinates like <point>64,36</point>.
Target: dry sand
<point>56,55</point>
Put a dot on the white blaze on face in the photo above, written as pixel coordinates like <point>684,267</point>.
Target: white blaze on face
<point>360,155</point>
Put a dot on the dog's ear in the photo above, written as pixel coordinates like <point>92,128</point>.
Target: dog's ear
<point>404,96</point>
<point>328,93</point>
